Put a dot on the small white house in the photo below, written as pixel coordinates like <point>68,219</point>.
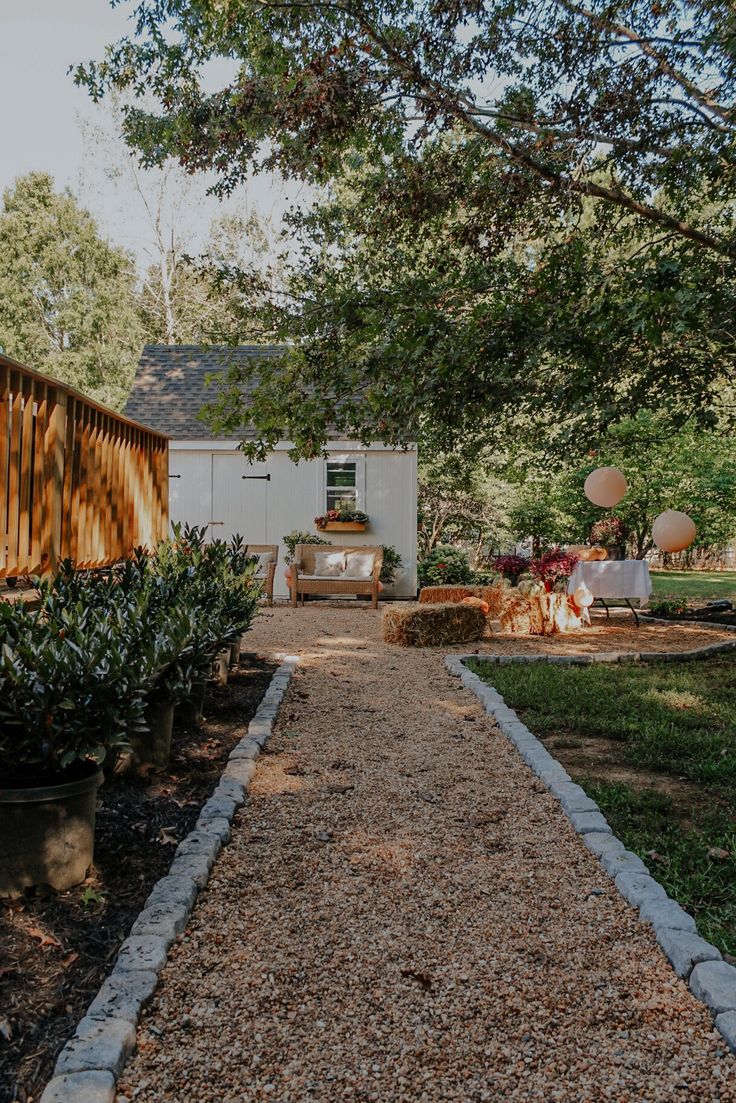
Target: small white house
<point>212,483</point>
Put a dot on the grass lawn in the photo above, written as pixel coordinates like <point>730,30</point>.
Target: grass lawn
<point>695,585</point>
<point>670,731</point>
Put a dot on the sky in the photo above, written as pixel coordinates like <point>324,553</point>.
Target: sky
<point>43,115</point>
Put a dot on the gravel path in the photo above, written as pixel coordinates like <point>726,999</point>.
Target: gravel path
<point>404,914</point>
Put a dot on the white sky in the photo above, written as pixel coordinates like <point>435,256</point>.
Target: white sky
<point>41,112</point>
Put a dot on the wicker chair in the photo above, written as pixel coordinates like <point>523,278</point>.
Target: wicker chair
<point>305,580</point>
<point>267,572</point>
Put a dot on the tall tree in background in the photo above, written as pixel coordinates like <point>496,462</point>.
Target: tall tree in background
<point>67,297</point>
<point>533,223</point>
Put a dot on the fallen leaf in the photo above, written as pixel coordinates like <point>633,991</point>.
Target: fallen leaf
<point>718,852</point>
<point>70,960</point>
<point>656,856</point>
<point>6,1030</point>
<point>44,939</point>
<point>166,836</point>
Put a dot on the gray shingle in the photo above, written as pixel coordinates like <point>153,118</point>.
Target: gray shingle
<point>169,388</point>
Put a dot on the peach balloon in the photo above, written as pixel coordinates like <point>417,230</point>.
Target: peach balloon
<point>583,597</point>
<point>673,531</point>
<point>605,486</point>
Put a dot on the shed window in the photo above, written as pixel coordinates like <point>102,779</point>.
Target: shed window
<point>342,484</point>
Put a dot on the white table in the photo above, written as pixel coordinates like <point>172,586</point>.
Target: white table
<point>623,579</point>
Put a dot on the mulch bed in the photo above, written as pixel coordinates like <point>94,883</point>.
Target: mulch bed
<point>56,949</point>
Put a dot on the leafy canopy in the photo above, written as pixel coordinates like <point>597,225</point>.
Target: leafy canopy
<point>529,226</point>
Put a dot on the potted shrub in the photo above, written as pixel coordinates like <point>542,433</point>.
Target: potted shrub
<point>611,534</point>
<point>511,567</point>
<point>69,695</point>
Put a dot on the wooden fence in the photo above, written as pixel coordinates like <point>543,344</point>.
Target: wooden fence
<point>76,479</point>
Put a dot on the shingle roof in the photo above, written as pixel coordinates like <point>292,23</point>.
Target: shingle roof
<point>169,388</point>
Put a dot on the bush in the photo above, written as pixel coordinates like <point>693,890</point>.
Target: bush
<point>554,569</point>
<point>293,538</point>
<point>391,564</point>
<point>433,625</point>
<point>511,566</point>
<point>444,566</point>
<point>667,607</point>
<point>70,688</point>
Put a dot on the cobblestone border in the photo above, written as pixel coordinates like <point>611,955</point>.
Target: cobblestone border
<point>88,1066</point>
<point>710,978</point>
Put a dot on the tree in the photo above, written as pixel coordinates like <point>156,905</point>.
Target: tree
<point>693,471</point>
<point>530,225</point>
<point>456,504</point>
<point>67,297</point>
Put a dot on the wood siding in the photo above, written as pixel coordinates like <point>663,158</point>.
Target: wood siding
<point>76,479</point>
<point>214,484</point>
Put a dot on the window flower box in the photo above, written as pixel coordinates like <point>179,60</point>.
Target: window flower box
<point>342,520</point>
<point>343,526</point>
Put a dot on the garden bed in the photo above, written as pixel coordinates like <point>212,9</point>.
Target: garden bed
<point>655,746</point>
<point>55,950</point>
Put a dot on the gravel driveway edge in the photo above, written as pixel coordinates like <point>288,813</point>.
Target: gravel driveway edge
<point>87,1068</point>
<point>710,978</point>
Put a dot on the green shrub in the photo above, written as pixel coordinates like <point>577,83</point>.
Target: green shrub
<point>667,606</point>
<point>444,566</point>
<point>70,689</point>
<point>293,538</point>
<point>391,564</point>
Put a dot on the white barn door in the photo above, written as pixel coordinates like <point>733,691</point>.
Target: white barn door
<point>190,487</point>
<point>239,498</point>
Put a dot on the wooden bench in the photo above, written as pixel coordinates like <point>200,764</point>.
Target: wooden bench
<point>314,571</point>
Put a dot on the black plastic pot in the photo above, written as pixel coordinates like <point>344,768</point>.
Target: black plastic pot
<point>152,749</point>
<point>47,833</point>
<point>616,551</point>
<point>235,649</point>
<point>189,712</point>
<point>220,667</point>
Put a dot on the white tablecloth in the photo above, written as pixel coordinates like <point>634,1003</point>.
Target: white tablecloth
<point>613,578</point>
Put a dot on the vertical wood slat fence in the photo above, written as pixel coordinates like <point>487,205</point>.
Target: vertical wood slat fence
<point>76,479</point>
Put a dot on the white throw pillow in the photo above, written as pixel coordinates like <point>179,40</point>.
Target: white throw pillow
<point>264,558</point>
<point>329,564</point>
<point>359,565</point>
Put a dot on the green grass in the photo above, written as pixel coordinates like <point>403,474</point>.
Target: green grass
<point>675,720</point>
<point>695,585</point>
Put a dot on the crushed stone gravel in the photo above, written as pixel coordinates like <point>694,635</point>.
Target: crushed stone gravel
<point>404,913</point>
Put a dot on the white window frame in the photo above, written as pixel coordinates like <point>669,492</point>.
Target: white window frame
<point>345,457</point>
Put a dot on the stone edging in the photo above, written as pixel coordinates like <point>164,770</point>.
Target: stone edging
<point>710,978</point>
<point>87,1068</point>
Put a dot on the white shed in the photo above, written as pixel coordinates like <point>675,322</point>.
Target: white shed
<point>212,483</point>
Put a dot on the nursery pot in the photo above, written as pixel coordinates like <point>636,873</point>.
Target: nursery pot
<point>47,833</point>
<point>235,649</point>
<point>189,712</point>
<point>221,667</point>
<point>153,748</point>
<point>616,551</point>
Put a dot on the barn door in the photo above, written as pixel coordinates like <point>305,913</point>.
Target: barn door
<point>239,498</point>
<point>190,487</point>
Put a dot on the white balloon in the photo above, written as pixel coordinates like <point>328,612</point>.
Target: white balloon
<point>583,596</point>
<point>605,486</point>
<point>673,531</point>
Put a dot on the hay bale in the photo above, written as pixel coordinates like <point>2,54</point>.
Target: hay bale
<point>432,625</point>
<point>538,614</point>
<point>439,595</point>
